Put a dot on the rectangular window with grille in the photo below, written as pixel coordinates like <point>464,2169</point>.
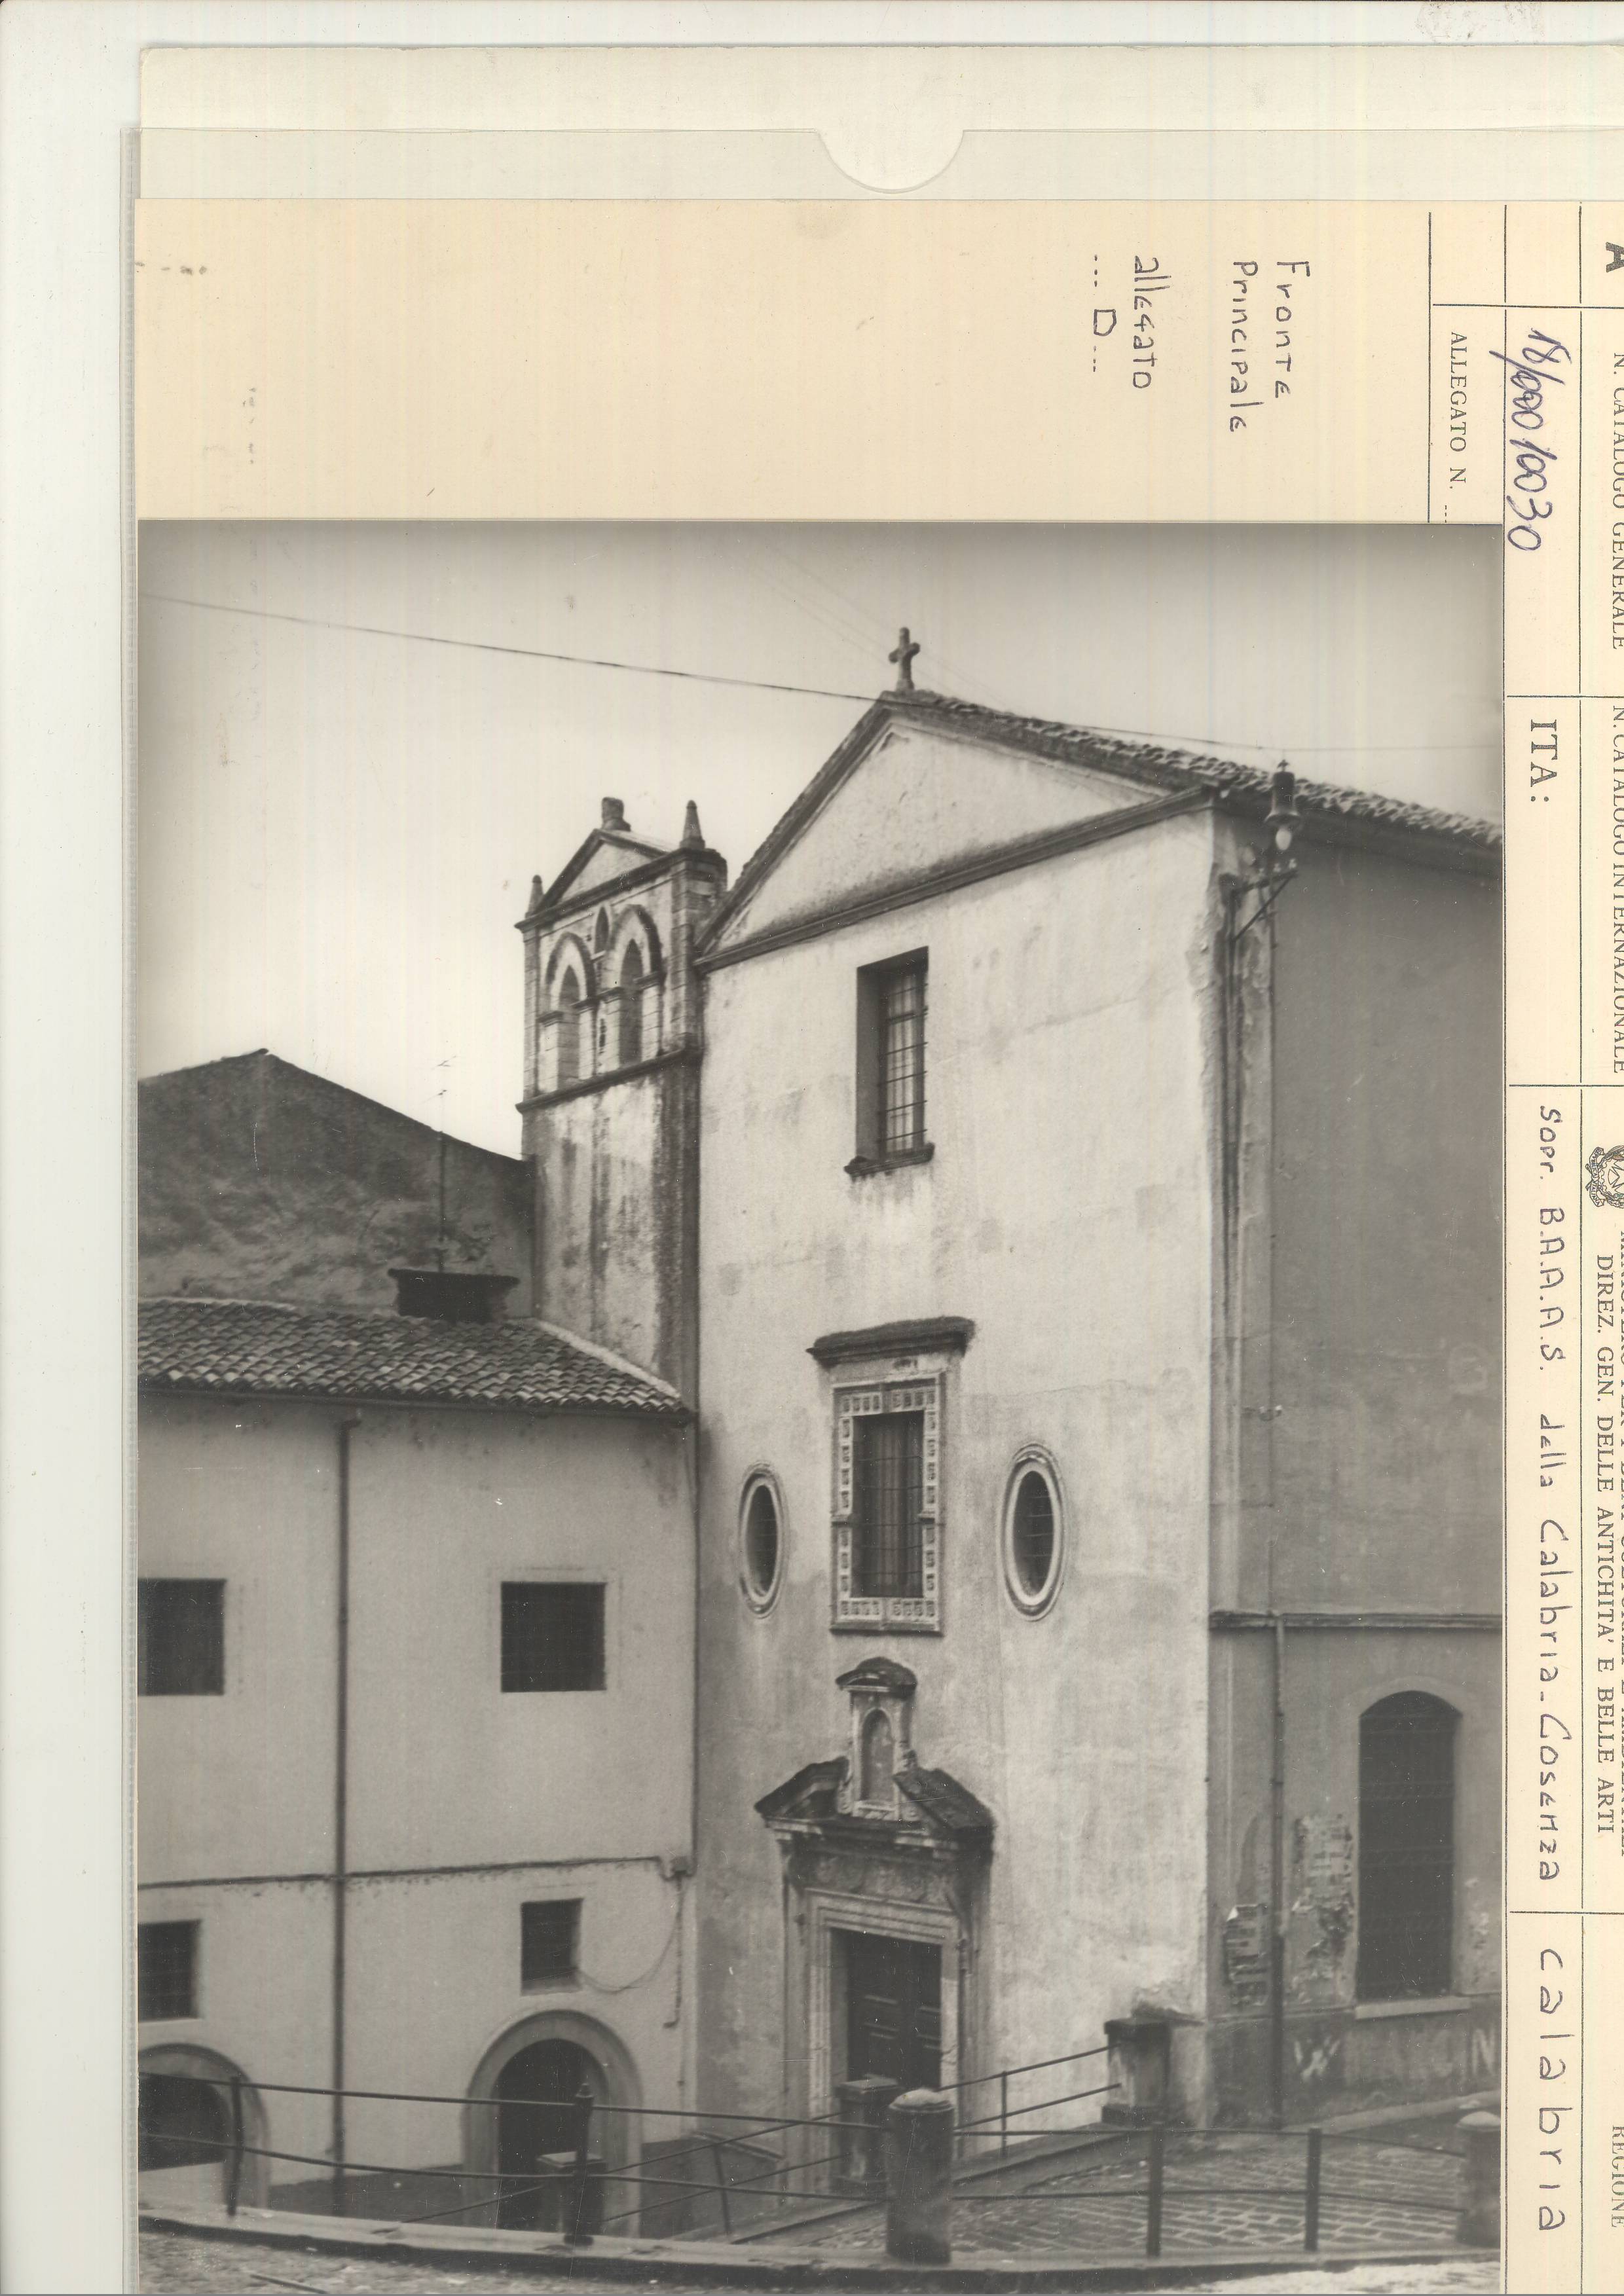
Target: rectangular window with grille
<point>552,1636</point>
<point>180,1637</point>
<point>167,1970</point>
<point>890,1093</point>
<point>887,1499</point>
<point>549,1937</point>
<point>902,1060</point>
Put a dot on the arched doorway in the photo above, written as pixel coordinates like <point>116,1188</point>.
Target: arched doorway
<point>519,2099</point>
<point>183,2119</point>
<point>535,2115</point>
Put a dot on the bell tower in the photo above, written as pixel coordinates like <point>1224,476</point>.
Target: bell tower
<point>611,1106</point>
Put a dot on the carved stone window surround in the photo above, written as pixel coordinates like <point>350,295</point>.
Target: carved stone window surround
<point>863,1390</point>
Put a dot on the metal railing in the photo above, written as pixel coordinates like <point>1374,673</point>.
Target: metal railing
<point>1007,2112</point>
<point>569,2186</point>
<point>1309,2191</point>
<point>575,2193</point>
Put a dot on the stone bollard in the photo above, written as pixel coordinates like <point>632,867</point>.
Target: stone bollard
<point>919,2178</point>
<point>861,2109</point>
<point>1140,2055</point>
<point>1478,2223</point>
<point>554,2202</point>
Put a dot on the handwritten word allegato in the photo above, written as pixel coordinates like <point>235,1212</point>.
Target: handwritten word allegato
<point>1255,363</point>
<point>1533,372</point>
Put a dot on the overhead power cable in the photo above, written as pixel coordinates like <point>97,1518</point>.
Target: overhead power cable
<point>782,685</point>
<point>488,645</point>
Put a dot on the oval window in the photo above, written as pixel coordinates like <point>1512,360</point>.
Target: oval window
<point>762,1539</point>
<point>1032,1544</point>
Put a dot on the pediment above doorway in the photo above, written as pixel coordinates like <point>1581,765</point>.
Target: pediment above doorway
<point>878,1798</point>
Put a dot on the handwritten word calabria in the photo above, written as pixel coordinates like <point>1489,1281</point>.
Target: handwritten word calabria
<point>1532,372</point>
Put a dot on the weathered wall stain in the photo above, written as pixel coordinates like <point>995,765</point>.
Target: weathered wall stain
<point>313,1192</point>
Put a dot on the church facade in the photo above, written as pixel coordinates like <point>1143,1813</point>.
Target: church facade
<point>948,1505</point>
<point>1087,1252</point>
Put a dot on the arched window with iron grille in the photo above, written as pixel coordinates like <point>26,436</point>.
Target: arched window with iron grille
<point>1407,1848</point>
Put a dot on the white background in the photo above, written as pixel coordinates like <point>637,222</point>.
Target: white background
<point>68,84</point>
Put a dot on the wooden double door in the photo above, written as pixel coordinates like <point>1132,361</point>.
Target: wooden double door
<point>893,2009</point>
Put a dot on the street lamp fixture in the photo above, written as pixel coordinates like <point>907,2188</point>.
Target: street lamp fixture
<point>1272,869</point>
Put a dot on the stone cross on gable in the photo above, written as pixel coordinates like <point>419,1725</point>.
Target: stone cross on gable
<point>903,656</point>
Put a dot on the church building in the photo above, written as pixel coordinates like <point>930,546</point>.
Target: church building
<point>1069,1169</point>
<point>943,1515</point>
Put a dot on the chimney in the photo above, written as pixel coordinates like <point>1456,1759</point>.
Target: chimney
<point>614,816</point>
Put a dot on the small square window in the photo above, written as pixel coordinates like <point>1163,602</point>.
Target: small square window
<point>549,1937</point>
<point>180,1627</point>
<point>552,1636</point>
<point>167,1970</point>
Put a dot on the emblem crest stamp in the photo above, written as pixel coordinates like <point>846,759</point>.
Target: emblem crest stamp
<point>1604,1177</point>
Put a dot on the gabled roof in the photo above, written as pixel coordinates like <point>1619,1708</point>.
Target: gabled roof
<point>236,1347</point>
<point>633,852</point>
<point>1155,766</point>
<point>810,1798</point>
<point>261,1180</point>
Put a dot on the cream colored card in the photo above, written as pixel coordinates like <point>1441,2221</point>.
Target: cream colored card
<point>421,289</point>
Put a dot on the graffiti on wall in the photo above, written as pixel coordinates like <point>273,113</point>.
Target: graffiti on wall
<point>1318,2057</point>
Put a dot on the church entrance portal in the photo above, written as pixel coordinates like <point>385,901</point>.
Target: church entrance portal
<point>893,2004</point>
<point>533,2117</point>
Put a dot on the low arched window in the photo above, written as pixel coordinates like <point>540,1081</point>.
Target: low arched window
<point>1034,1549</point>
<point>631,1005</point>
<point>569,1031</point>
<point>1407,1848</point>
<point>761,1542</point>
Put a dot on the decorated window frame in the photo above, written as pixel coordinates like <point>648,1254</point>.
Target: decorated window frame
<point>922,1392</point>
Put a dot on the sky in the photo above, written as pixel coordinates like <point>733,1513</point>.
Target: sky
<point>345,784</point>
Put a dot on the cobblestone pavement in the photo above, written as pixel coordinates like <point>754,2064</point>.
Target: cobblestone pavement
<point>1218,2195</point>
<point>175,2264</point>
<point>178,2264</point>
<point>1476,2275</point>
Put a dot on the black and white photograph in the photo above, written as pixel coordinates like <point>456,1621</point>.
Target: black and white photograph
<point>820,1363</point>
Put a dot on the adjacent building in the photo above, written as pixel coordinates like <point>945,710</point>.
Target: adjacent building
<point>415,1666</point>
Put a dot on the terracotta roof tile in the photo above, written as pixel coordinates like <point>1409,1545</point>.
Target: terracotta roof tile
<point>233,1346</point>
<point>1169,767</point>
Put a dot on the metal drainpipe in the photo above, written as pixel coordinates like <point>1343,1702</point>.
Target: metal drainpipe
<point>1276,1990</point>
<point>341,1820</point>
